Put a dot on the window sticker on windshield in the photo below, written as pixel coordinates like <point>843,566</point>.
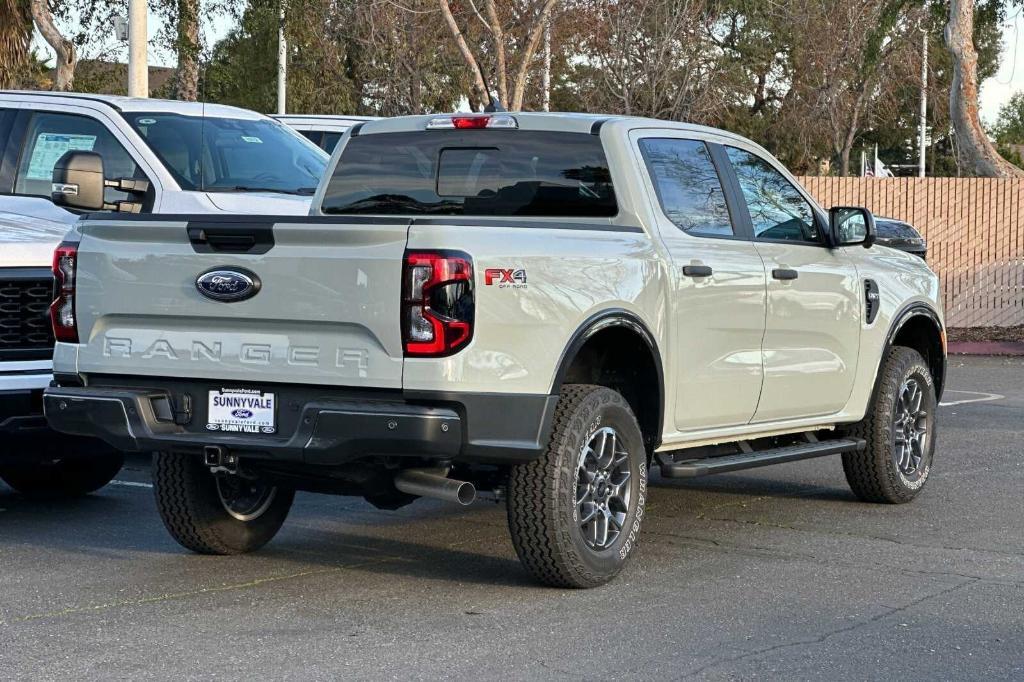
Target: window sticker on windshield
<point>147,121</point>
<point>252,139</point>
<point>49,147</point>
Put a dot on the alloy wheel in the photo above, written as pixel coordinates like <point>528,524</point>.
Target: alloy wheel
<point>910,427</point>
<point>602,489</point>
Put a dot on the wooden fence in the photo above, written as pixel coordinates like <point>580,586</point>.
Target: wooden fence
<point>975,233</point>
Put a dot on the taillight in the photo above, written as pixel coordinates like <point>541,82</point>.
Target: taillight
<point>437,302</point>
<point>62,310</point>
<point>473,121</point>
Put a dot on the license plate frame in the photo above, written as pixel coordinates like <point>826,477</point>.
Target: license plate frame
<point>245,411</point>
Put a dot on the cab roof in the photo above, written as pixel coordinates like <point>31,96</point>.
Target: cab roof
<point>124,104</point>
<point>569,122</point>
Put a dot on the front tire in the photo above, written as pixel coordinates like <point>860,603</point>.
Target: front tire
<point>216,514</point>
<point>575,512</point>
<point>899,429</point>
<point>68,477</point>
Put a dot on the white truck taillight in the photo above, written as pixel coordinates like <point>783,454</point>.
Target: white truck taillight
<point>437,303</point>
<point>62,310</point>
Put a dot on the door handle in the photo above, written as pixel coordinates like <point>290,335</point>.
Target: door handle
<point>697,270</point>
<point>784,273</point>
<point>231,237</point>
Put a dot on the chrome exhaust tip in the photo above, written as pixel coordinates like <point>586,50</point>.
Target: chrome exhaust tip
<point>427,483</point>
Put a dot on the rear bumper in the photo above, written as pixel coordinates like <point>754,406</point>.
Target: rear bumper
<point>21,404</point>
<point>315,426</point>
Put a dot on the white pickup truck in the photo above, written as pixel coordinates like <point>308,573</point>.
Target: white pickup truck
<point>322,130</point>
<point>153,156</point>
<point>545,306</point>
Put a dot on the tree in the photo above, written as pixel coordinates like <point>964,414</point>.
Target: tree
<point>15,36</point>
<point>344,57</point>
<point>976,151</point>
<point>242,68</point>
<point>650,58</point>
<point>187,47</point>
<point>512,36</point>
<point>66,51</point>
<point>854,80</point>
<point>404,62</point>
<point>1009,125</point>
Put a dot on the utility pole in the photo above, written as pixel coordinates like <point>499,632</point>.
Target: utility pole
<point>138,59</point>
<point>924,105</point>
<point>282,63</point>
<point>546,103</point>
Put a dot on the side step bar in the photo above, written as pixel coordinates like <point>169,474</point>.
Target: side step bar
<point>691,468</point>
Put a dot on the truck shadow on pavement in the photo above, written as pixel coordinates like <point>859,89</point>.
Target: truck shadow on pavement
<point>437,546</point>
<point>483,560</point>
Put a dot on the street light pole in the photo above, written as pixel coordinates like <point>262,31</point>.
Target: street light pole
<point>924,106</point>
<point>138,60</point>
<point>282,63</point>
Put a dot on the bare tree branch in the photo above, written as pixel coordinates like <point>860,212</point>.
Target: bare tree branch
<point>479,83</point>
<point>528,52</point>
<point>67,53</point>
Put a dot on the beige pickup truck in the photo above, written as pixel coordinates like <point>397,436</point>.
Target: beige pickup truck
<point>545,306</point>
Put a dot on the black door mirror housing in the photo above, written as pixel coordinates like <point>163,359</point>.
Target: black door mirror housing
<point>78,181</point>
<point>851,225</point>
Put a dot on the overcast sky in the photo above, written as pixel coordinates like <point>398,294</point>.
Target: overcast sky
<point>994,92</point>
<point>1010,79</point>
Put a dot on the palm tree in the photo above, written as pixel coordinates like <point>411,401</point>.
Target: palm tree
<point>15,37</point>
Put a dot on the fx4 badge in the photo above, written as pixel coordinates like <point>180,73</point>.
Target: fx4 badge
<point>505,278</point>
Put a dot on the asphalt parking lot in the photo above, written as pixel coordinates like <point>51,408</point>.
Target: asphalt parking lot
<point>772,572</point>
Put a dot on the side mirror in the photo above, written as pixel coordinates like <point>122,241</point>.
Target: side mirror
<point>852,225</point>
<point>78,181</point>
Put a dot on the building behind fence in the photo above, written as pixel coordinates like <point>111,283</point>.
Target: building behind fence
<point>975,233</point>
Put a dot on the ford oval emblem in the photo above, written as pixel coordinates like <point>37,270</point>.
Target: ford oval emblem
<point>241,413</point>
<point>228,284</point>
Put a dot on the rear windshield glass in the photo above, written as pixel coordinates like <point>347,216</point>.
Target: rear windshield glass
<point>473,172</point>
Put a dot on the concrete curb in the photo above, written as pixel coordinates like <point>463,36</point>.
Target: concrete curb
<point>1014,348</point>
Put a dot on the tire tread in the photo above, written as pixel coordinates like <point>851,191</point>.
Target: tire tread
<point>192,514</point>
<point>540,537</point>
<point>869,473</point>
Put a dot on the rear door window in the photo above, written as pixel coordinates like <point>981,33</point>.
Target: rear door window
<point>688,186</point>
<point>330,141</point>
<point>474,172</point>
<point>313,136</point>
<point>51,134</point>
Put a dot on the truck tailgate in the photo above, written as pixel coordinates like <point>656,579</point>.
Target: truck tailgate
<point>326,310</point>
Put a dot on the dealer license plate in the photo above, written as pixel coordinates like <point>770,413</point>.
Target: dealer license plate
<point>241,410</point>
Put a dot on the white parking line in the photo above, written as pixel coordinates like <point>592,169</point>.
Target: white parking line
<point>132,484</point>
<point>984,397</point>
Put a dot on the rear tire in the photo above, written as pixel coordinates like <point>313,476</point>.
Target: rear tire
<point>202,515</point>
<point>899,429</point>
<point>595,467</point>
<point>70,477</point>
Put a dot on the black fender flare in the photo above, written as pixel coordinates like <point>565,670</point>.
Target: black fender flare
<point>607,319</point>
<point>900,319</point>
